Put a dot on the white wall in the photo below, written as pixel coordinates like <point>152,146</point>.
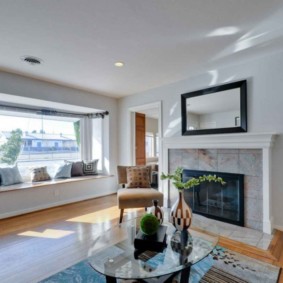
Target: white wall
<point>265,101</point>
<point>26,200</point>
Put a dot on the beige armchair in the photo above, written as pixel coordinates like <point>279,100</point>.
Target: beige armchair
<point>135,197</point>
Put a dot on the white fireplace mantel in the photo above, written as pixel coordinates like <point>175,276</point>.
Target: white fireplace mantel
<point>241,140</point>
<point>262,141</point>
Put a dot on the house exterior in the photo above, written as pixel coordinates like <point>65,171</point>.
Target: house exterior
<point>40,143</point>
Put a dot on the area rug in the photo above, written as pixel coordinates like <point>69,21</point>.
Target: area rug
<point>221,266</point>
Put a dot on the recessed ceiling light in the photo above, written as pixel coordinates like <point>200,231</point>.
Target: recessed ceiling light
<point>32,60</point>
<point>119,64</point>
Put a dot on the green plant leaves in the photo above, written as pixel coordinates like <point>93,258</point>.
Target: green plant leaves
<point>177,179</point>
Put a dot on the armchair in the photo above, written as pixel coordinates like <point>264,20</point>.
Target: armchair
<point>135,197</point>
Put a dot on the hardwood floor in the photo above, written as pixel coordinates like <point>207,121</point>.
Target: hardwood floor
<point>37,245</point>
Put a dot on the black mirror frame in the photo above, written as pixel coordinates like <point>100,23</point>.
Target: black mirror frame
<point>243,109</point>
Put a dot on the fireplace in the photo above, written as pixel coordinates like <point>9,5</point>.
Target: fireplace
<point>249,154</point>
<point>216,201</point>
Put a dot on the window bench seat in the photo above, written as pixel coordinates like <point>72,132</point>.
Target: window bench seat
<point>28,185</point>
<point>27,197</point>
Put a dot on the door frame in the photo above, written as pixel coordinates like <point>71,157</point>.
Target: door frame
<point>132,111</point>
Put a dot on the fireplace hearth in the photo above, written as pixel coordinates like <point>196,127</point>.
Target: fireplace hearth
<point>216,201</point>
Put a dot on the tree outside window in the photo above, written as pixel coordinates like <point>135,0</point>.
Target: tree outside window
<point>10,150</point>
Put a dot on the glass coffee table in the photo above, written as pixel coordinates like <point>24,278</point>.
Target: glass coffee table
<point>116,257</point>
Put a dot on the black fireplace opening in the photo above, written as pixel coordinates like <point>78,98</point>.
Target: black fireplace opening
<point>216,201</point>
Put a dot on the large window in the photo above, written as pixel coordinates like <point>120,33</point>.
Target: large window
<point>149,145</point>
<point>32,140</point>
<point>156,145</point>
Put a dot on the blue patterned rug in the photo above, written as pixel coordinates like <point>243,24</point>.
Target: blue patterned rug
<point>240,266</point>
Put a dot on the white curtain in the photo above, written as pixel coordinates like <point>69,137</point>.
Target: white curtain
<point>86,138</point>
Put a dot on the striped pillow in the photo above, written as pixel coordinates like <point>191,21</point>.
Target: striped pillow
<point>90,167</point>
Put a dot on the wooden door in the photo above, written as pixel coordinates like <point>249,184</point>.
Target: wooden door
<point>140,139</point>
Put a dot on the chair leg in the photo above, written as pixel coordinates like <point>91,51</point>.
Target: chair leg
<point>121,215</point>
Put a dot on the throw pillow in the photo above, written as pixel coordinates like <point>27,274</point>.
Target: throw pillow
<point>64,171</point>
<point>10,176</point>
<point>138,177</point>
<point>90,167</point>
<point>39,174</point>
<point>77,168</point>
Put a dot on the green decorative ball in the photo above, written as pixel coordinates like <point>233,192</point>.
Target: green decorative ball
<point>149,224</point>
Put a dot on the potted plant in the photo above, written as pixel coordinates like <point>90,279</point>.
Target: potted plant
<point>181,214</point>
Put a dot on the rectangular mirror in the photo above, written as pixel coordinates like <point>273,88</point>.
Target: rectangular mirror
<point>215,110</point>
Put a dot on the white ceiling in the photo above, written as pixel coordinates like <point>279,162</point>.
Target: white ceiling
<point>160,41</point>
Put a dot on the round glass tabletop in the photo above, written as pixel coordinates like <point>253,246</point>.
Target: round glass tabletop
<point>117,257</point>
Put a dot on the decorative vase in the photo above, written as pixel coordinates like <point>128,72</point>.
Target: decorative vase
<point>157,211</point>
<point>181,214</point>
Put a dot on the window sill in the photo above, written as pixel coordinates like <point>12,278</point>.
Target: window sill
<point>30,185</point>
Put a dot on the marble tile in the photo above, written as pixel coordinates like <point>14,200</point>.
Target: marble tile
<point>190,159</point>
<point>175,159</point>
<point>250,164</point>
<point>242,234</point>
<point>191,151</point>
<point>265,241</point>
<point>205,223</point>
<point>247,237</point>
<point>224,229</point>
<point>252,233</point>
<point>207,159</point>
<point>253,209</point>
<point>263,244</point>
<point>228,162</point>
<point>175,151</point>
<point>250,150</point>
<point>253,224</point>
<point>260,195</point>
<point>253,187</point>
<point>227,151</point>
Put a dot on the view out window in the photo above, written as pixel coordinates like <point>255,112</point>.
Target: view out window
<point>34,141</point>
<point>156,145</point>
<point>149,145</point>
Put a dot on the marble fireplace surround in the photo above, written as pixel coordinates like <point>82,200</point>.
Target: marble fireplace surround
<point>258,144</point>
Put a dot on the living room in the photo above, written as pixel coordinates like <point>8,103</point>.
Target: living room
<point>168,49</point>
